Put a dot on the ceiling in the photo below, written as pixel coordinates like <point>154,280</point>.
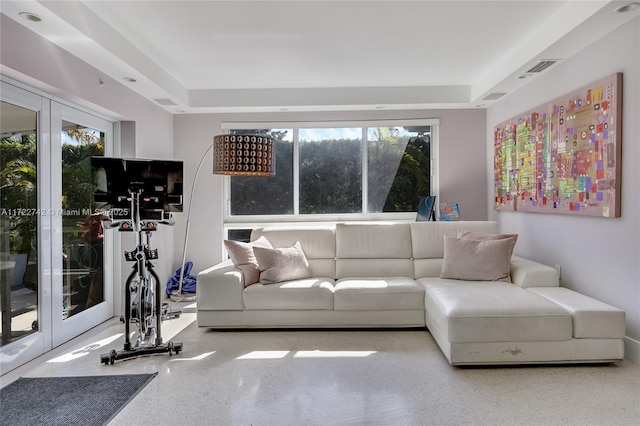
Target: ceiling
<point>224,56</point>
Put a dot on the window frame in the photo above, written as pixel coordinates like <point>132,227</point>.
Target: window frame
<point>245,221</point>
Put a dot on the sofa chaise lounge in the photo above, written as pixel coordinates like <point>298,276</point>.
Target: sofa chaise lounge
<point>380,275</point>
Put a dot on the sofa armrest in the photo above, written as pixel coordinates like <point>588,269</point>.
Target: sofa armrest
<point>526,273</point>
<point>220,288</point>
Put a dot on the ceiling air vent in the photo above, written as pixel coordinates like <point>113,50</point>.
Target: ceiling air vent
<point>541,66</point>
<point>493,96</point>
<point>165,102</point>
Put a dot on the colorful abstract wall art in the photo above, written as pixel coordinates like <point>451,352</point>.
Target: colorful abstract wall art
<point>564,156</point>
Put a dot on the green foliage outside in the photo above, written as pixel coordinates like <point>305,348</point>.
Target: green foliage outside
<point>331,176</point>
<point>18,184</point>
<point>410,180</point>
<point>266,195</point>
<point>18,191</point>
<point>77,182</point>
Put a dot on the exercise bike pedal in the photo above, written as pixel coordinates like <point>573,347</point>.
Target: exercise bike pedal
<point>169,312</point>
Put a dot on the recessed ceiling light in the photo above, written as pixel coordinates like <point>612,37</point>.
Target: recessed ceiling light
<point>30,16</point>
<point>380,107</point>
<point>628,7</point>
<point>130,79</point>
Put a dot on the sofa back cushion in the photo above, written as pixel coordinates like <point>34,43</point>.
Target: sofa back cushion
<point>318,245</point>
<point>427,242</point>
<point>373,250</point>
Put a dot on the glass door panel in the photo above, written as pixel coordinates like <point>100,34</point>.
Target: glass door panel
<point>18,222</point>
<point>82,236</point>
<point>25,252</point>
<point>80,299</point>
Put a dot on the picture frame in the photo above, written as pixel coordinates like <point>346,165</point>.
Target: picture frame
<point>449,212</point>
<point>426,209</point>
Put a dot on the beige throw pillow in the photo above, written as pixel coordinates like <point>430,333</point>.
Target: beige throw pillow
<point>470,235</point>
<point>477,260</point>
<point>243,258</point>
<point>282,264</point>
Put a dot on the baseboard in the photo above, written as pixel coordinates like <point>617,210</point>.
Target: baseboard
<point>632,349</point>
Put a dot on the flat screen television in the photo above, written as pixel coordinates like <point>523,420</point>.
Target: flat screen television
<point>159,183</point>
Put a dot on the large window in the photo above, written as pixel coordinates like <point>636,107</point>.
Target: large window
<point>328,171</point>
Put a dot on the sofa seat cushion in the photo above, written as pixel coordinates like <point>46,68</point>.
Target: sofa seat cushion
<point>468,311</point>
<point>388,293</point>
<point>592,319</point>
<point>309,293</point>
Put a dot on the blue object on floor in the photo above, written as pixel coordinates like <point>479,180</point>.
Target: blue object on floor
<point>188,281</point>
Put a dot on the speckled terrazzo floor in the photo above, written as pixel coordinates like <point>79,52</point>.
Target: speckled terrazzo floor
<point>340,377</point>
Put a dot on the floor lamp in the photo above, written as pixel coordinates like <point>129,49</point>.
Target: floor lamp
<point>233,155</point>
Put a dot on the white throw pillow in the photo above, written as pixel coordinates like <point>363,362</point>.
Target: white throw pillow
<point>282,264</point>
<point>243,258</point>
<point>477,260</point>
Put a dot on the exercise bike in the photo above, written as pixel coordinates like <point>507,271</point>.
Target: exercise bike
<point>143,305</point>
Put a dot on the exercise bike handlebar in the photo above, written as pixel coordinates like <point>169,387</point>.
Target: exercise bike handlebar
<point>108,222</point>
<point>169,221</point>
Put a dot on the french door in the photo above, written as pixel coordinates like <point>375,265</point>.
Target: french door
<point>80,298</point>
<point>54,260</point>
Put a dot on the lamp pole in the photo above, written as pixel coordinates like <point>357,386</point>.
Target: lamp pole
<point>179,296</point>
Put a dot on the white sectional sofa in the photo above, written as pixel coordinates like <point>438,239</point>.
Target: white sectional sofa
<point>389,276</point>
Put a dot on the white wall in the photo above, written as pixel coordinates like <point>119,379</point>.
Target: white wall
<point>599,257</point>
<point>42,65</point>
<point>461,137</point>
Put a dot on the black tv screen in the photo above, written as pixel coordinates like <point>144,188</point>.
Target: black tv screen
<point>158,181</point>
